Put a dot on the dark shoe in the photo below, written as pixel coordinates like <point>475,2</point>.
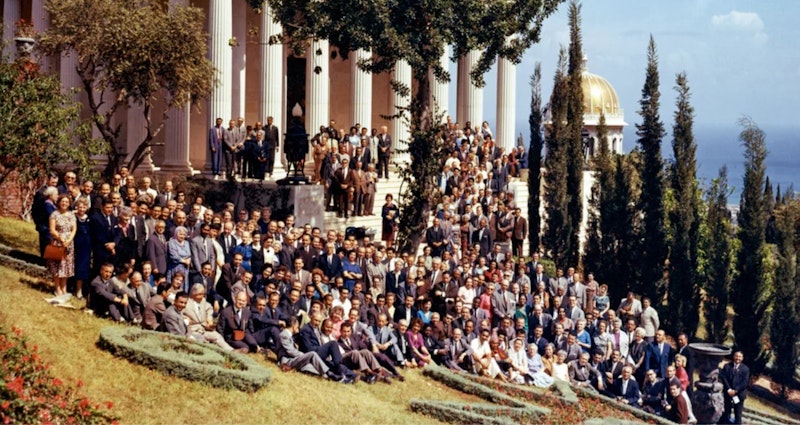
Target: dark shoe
<point>285,368</point>
<point>370,379</point>
<point>400,377</point>
<point>333,376</point>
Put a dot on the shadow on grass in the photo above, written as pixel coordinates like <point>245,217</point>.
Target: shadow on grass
<point>766,394</point>
<point>37,284</point>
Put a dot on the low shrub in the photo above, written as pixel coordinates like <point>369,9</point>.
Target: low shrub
<point>474,413</point>
<point>460,383</point>
<point>30,394</point>
<point>177,356</point>
<point>559,390</point>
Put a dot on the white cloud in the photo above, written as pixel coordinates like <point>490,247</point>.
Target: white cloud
<point>742,21</point>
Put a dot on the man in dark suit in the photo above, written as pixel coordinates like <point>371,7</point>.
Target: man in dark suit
<point>366,153</point>
<point>108,298</point>
<point>236,326</point>
<point>686,351</point>
<point>329,261</point>
<point>345,179</point>
<point>307,253</point>
<point>358,357</point>
<point>216,135</point>
<point>406,311</point>
<point>458,352</point>
<point>658,355</point>
<point>482,237</point>
<point>271,143</point>
<point>519,233</point>
<point>536,338</point>
<point>309,339</point>
<point>156,248</point>
<point>434,237</point>
<point>384,150</point>
<point>396,279</point>
<point>626,389</point>
<point>268,320</point>
<point>735,377</point>
<point>102,227</point>
<point>231,273</point>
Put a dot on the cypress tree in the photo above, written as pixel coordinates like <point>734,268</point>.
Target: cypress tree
<point>653,246</point>
<point>535,160</point>
<point>746,294</point>
<point>784,328</point>
<point>683,294</point>
<point>574,158</point>
<point>598,252</point>
<point>558,229</point>
<point>625,224</point>
<point>718,248</point>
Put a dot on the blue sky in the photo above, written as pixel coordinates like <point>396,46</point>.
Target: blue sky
<point>741,58</point>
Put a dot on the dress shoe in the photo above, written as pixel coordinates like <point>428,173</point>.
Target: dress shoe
<point>370,379</point>
<point>333,376</point>
<point>400,377</point>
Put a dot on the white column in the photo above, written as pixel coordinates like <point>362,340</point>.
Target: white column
<point>461,90</point>
<point>40,24</point>
<point>220,19</point>
<point>440,95</point>
<point>362,90</point>
<point>317,85</point>
<point>271,92</point>
<point>506,104</point>
<point>12,12</point>
<point>473,105</point>
<point>176,132</point>
<point>399,127</point>
<point>239,75</point>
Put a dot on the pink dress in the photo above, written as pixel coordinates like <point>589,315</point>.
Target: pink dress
<point>65,224</point>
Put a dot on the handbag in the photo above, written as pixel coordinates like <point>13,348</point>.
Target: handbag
<point>54,252</point>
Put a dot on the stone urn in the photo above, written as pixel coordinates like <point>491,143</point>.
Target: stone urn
<point>708,402</point>
<point>24,46</point>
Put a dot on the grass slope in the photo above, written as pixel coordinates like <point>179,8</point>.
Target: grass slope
<point>19,234</point>
<point>67,340</point>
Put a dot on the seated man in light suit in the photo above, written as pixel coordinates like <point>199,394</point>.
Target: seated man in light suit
<point>290,358</point>
<point>173,321</point>
<point>459,352</point>
<point>200,315</point>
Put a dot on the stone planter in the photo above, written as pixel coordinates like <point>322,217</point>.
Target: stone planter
<point>708,402</point>
<point>24,45</point>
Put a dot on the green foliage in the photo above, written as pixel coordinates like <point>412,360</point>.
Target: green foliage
<point>683,293</point>
<point>535,160</point>
<point>598,250</point>
<point>653,245</point>
<point>465,385</point>
<point>719,252</point>
<point>784,326</point>
<point>473,413</point>
<point>31,394</point>
<point>177,356</point>
<point>751,271</point>
<point>131,52</point>
<point>37,122</point>
<point>574,149</point>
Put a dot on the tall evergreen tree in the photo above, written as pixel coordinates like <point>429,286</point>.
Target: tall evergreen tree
<point>650,132</point>
<point>558,229</point>
<point>535,160</point>
<point>784,328</point>
<point>625,225</point>
<point>683,294</point>
<point>746,294</point>
<point>718,248</point>
<point>574,140</point>
<point>598,249</point>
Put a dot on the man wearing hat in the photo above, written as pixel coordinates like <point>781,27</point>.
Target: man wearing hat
<point>345,178</point>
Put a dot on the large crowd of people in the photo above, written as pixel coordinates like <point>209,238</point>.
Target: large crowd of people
<point>349,308</point>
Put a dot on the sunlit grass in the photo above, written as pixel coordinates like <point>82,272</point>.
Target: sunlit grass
<point>19,234</point>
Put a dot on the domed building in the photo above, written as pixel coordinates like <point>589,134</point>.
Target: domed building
<point>599,97</point>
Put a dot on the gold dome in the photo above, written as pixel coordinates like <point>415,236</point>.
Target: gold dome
<point>598,94</point>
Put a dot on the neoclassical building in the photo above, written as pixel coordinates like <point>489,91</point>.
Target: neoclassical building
<point>257,80</point>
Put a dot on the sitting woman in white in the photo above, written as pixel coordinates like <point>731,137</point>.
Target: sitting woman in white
<point>536,374</point>
<point>560,368</point>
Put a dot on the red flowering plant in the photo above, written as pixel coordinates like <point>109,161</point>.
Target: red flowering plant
<point>30,394</point>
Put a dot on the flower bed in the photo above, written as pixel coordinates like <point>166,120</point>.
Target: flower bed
<point>30,394</point>
<point>176,356</point>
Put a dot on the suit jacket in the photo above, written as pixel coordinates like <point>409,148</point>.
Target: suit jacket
<point>202,251</point>
<point>271,136</point>
<point>400,313</point>
<point>394,282</point>
<point>546,322</point>
<point>153,312</point>
<point>657,359</point>
<point>520,228</point>
<point>352,343</point>
<point>344,182</point>
<point>215,138</point>
<point>330,269</point>
<point>485,240</point>
<point>631,393</point>
<point>309,257</point>
<point>103,293</point>
<point>227,323</point>
<point>736,379</point>
<point>267,319</point>
<point>384,145</point>
<point>502,304</point>
<point>198,315</point>
<point>102,233</point>
<point>227,248</point>
<point>227,279</point>
<point>366,157</point>
<point>156,252</point>
<point>452,352</point>
<point>286,347</point>
<point>307,339</point>
<point>172,321</point>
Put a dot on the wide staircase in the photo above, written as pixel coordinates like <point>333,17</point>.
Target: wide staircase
<point>393,185</point>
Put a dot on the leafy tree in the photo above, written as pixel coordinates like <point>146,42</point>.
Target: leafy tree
<point>784,326</point>
<point>746,294</point>
<point>718,248</point>
<point>131,52</point>
<point>37,123</point>
<point>416,31</point>
<point>535,160</point>
<point>599,251</point>
<point>574,135</point>
<point>653,234</point>
<point>558,228</point>
<point>683,293</point>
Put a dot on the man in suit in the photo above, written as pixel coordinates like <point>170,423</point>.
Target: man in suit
<point>482,237</point>
<point>329,261</point>
<point>229,148</point>
<point>735,377</point>
<point>503,303</point>
<point>290,358</point>
<point>271,143</point>
<point>386,340</point>
<point>458,352</point>
<point>613,368</point>
<point>582,374</point>
<point>156,248</point>
<point>268,320</point>
<point>366,153</point>
<point>626,389</point>
<point>299,272</point>
<point>166,195</point>
<point>658,356</point>
<point>358,357</point>
<point>536,338</point>
<point>384,151</point>
<point>236,326</point>
<point>519,233</point>
<point>307,253</point>
<point>686,351</point>
<point>216,137</point>
<point>434,237</point>
<point>202,247</point>
<point>102,226</point>
<point>406,311</point>
<point>310,340</point>
<point>359,187</point>
<point>396,279</point>
<point>345,180</point>
<point>200,314</point>
<point>172,322</point>
<point>138,296</point>
<point>108,298</point>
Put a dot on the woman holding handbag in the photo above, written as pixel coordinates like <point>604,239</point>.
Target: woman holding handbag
<point>62,233</point>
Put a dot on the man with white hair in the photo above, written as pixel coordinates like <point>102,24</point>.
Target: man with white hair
<point>199,314</point>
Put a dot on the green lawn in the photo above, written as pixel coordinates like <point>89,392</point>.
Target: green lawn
<point>19,234</point>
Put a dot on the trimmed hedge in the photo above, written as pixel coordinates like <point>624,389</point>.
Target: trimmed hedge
<point>639,413</point>
<point>181,357</point>
<point>460,383</point>
<point>475,414</point>
<point>558,391</point>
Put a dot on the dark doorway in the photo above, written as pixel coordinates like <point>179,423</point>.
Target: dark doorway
<point>295,84</point>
